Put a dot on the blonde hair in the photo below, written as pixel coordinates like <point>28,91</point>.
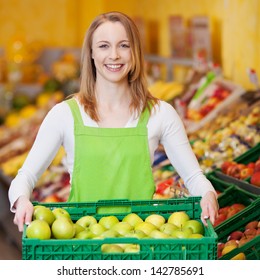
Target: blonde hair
<point>141,97</point>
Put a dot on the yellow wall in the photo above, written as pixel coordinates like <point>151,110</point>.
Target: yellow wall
<point>235,25</point>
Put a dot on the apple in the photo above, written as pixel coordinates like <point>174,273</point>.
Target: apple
<point>155,219</point>
<point>257,165</point>
<point>240,256</point>
<point>221,218</point>
<point>178,218</point>
<point>111,248</point>
<point>109,233</point>
<point>255,179</point>
<point>195,226</point>
<point>252,224</point>
<point>39,229</point>
<point>225,165</point>
<point>85,234</point>
<point>108,221</point>
<point>244,240</point>
<point>145,227</point>
<point>235,235</point>
<point>250,232</point>
<point>223,210</point>
<point>228,249</point>
<point>43,213</point>
<point>136,233</point>
<point>132,248</point>
<point>231,242</point>
<point>168,228</point>
<point>86,221</point>
<point>97,229</point>
<point>196,235</point>
<point>63,228</point>
<point>60,212</point>
<point>122,228</point>
<point>157,234</point>
<point>78,228</point>
<point>133,219</point>
<point>182,233</point>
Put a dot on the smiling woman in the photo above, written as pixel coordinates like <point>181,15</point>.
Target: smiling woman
<point>111,129</point>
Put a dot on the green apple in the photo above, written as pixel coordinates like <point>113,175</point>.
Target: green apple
<point>38,229</point>
<point>108,221</point>
<point>178,218</point>
<point>85,234</point>
<point>182,233</point>
<point>111,248</point>
<point>78,228</point>
<point>196,235</point>
<point>109,233</point>
<point>122,228</point>
<point>132,248</point>
<point>155,219</point>
<point>133,219</point>
<point>145,227</point>
<point>97,229</point>
<point>168,228</point>
<point>195,226</point>
<point>136,233</point>
<point>86,221</point>
<point>63,228</point>
<point>60,212</point>
<point>43,213</point>
<point>157,234</point>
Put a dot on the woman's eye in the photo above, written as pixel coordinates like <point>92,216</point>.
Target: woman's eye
<point>125,46</point>
<point>103,46</point>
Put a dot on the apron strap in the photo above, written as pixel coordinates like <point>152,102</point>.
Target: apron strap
<point>143,120</point>
<point>75,110</point>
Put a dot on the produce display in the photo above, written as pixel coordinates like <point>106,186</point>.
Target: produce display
<point>238,238</point>
<point>249,171</point>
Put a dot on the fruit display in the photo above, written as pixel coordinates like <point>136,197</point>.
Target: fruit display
<point>159,227</point>
<point>229,142</point>
<point>249,171</point>
<point>239,238</point>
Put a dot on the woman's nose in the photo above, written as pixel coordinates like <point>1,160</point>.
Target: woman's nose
<point>114,54</point>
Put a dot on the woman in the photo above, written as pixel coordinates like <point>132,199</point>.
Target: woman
<point>111,129</point>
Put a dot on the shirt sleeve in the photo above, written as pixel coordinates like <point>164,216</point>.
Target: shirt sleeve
<point>46,145</point>
<point>179,151</point>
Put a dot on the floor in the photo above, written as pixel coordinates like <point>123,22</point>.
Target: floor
<point>9,249</point>
<point>10,237</point>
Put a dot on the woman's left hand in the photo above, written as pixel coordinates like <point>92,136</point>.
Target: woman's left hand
<point>209,206</point>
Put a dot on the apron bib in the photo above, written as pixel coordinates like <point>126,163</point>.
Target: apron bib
<point>110,163</point>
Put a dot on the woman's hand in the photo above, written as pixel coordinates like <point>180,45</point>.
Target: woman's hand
<point>209,206</point>
<point>24,212</point>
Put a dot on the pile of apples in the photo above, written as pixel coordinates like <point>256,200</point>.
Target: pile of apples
<point>57,224</point>
<point>243,171</point>
<point>238,238</point>
<point>227,212</point>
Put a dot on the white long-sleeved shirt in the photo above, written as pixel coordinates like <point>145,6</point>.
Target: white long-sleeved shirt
<point>164,127</point>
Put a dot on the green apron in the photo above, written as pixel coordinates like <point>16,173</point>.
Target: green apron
<point>110,163</point>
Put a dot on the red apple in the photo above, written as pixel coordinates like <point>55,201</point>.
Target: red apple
<point>251,165</point>
<point>223,210</point>
<point>255,179</point>
<point>252,224</point>
<point>235,235</point>
<point>250,232</point>
<point>221,218</point>
<point>225,165</point>
<point>257,165</point>
<point>244,240</point>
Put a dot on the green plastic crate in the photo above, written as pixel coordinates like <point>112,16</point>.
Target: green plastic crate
<point>252,248</point>
<point>150,249</point>
<point>219,184</point>
<point>249,156</point>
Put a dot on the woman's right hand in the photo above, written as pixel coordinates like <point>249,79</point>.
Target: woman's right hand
<point>23,213</point>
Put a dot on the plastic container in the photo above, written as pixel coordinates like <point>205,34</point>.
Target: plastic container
<point>252,248</point>
<point>150,249</point>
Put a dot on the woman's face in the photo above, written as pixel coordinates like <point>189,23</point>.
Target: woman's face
<point>111,52</point>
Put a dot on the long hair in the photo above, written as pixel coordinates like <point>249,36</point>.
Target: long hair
<point>141,97</point>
